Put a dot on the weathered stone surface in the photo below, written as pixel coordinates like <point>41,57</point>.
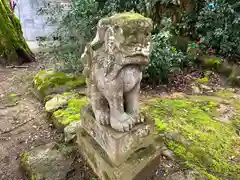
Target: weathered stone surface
<point>118,145</point>
<point>113,62</point>
<point>57,102</point>
<point>180,175</point>
<point>46,162</point>
<point>103,167</point>
<point>71,130</point>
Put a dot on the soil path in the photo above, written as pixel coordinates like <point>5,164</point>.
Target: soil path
<point>22,119</point>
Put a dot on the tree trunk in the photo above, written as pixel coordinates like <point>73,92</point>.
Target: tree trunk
<point>13,47</point>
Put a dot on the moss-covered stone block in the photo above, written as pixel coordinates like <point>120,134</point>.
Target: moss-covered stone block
<point>48,82</point>
<point>192,130</point>
<point>71,113</point>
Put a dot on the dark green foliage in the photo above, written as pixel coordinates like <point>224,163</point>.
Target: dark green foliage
<point>217,28</point>
<point>220,27</point>
<point>164,59</point>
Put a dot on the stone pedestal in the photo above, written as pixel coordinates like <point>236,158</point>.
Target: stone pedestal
<point>114,155</point>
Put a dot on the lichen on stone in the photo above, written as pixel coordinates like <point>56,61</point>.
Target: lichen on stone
<point>193,133</point>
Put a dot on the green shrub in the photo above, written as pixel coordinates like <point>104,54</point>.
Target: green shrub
<point>164,59</point>
<point>219,27</point>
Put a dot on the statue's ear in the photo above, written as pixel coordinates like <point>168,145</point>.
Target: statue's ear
<point>99,38</point>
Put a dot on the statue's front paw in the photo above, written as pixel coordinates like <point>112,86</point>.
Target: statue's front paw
<point>104,118</point>
<point>123,123</point>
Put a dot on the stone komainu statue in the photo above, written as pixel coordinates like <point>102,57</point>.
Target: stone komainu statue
<point>113,63</point>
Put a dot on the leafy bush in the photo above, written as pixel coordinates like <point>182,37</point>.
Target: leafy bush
<point>164,59</point>
<point>219,27</point>
<point>80,22</point>
<point>75,27</point>
<point>198,49</point>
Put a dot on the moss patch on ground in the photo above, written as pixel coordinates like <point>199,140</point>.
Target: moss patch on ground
<point>24,158</point>
<point>63,117</point>
<point>45,81</point>
<point>193,133</point>
<point>225,93</point>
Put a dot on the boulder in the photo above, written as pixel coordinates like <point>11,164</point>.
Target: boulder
<point>70,131</point>
<point>58,101</point>
<point>46,162</point>
<point>49,82</point>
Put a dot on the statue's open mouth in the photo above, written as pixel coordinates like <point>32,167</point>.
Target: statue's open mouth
<point>137,59</point>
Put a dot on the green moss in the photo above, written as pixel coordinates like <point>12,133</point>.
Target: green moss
<point>129,16</point>
<point>33,177</point>
<point>236,119</point>
<point>24,158</point>
<point>213,61</point>
<point>71,113</point>
<point>12,95</point>
<point>203,143</point>
<point>227,94</point>
<point>130,22</point>
<point>46,80</point>
<point>204,80</point>
<point>11,38</point>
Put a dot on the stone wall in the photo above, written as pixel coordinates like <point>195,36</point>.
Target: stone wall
<point>35,25</point>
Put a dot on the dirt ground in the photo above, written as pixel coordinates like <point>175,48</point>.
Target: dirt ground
<point>23,124</point>
<point>22,120</point>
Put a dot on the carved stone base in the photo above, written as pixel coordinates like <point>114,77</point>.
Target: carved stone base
<point>134,168</point>
<point>115,155</point>
<point>118,146</point>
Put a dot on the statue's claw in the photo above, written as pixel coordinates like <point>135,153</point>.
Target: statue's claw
<point>123,124</point>
<point>104,118</point>
<point>139,118</point>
